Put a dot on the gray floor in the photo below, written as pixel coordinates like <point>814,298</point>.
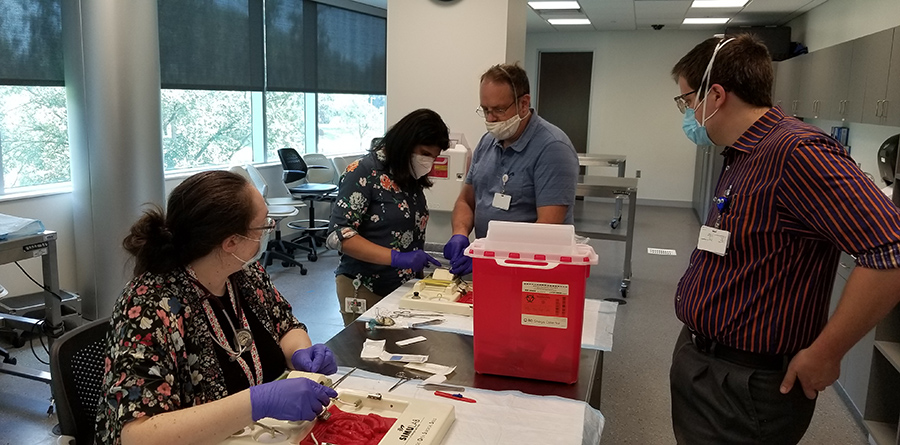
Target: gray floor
<point>635,378</point>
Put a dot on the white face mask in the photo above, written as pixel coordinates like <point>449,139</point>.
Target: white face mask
<point>504,130</point>
<point>263,244</point>
<point>421,165</point>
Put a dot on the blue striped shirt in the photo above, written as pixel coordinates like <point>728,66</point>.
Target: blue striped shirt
<point>796,200</point>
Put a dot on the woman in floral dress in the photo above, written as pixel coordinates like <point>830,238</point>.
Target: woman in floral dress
<point>200,334</point>
<point>379,218</point>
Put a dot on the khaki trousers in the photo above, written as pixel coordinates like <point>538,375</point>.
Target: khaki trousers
<point>344,286</point>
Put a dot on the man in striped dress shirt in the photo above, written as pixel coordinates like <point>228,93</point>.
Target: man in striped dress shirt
<point>758,345</point>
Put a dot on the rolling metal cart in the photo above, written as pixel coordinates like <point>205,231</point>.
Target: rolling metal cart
<point>618,188</point>
<point>58,305</point>
<point>618,161</point>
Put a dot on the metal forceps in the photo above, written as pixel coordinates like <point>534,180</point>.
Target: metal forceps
<point>403,379</point>
<point>325,414</point>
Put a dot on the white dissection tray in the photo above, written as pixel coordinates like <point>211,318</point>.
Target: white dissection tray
<point>433,295</point>
<point>418,421</point>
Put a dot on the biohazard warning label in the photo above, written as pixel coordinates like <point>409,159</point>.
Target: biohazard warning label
<point>440,168</point>
<point>545,304</point>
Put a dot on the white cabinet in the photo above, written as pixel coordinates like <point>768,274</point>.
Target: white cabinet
<point>825,86</point>
<point>788,77</point>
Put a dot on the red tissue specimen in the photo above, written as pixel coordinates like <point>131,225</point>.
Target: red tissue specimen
<point>468,298</point>
<point>349,429</point>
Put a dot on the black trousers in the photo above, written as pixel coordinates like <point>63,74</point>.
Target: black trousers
<point>718,402</point>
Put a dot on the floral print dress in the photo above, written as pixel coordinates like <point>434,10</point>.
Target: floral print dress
<point>370,204</point>
<point>161,355</point>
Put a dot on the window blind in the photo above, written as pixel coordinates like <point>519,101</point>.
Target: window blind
<point>211,44</point>
<point>313,47</point>
<point>31,51</point>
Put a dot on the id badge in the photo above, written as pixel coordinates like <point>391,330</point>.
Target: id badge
<point>501,201</point>
<point>713,240</point>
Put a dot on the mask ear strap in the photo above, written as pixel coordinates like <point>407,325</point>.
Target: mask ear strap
<point>705,80</point>
<point>512,83</point>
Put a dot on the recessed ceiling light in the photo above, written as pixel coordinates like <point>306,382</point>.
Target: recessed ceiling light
<point>705,21</point>
<point>719,3</point>
<point>569,21</point>
<point>554,5</point>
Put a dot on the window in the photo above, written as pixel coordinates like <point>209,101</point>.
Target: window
<point>286,122</point>
<point>348,122</point>
<point>205,128</point>
<point>34,141</point>
<point>34,138</point>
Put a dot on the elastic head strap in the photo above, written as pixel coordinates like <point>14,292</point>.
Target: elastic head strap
<point>705,80</point>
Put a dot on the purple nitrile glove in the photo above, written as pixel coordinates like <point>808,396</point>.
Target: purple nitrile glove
<point>455,247</point>
<point>316,358</point>
<point>289,399</point>
<point>415,260</point>
<point>460,266</point>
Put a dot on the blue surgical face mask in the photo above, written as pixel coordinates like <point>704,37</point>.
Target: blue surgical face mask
<point>693,130</point>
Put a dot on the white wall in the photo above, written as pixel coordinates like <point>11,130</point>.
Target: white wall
<point>632,112</point>
<point>837,21</point>
<point>437,52</point>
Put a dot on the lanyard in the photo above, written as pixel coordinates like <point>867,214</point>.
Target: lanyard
<point>243,337</point>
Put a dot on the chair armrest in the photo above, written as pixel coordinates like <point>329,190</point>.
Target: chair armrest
<point>315,166</point>
<point>292,175</point>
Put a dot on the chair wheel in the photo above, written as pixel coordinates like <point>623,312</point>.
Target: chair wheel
<point>286,264</point>
<point>303,271</point>
<point>312,257</point>
<point>18,341</point>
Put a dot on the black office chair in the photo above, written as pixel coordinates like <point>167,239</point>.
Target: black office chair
<point>295,169</point>
<point>76,373</point>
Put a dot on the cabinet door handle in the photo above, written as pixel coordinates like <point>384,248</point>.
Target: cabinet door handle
<point>843,107</point>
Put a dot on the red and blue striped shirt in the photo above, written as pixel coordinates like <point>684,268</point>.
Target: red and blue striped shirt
<point>796,199</point>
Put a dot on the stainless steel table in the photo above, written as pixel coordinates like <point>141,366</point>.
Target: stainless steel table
<point>618,188</point>
<point>605,160</point>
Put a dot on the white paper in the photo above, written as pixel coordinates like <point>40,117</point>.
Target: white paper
<point>372,348</point>
<point>410,341</point>
<point>431,368</point>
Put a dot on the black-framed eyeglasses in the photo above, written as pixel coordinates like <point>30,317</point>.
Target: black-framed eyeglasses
<point>496,112</point>
<point>681,101</point>
<point>268,228</point>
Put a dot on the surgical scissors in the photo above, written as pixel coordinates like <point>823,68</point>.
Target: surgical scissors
<point>403,379</point>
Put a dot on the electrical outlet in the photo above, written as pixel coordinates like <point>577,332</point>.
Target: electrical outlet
<point>354,305</point>
<point>637,174</point>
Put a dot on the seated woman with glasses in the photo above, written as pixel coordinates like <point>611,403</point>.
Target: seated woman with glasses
<point>200,334</point>
<point>379,218</point>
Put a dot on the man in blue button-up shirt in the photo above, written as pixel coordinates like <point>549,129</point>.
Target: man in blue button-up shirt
<point>524,168</point>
